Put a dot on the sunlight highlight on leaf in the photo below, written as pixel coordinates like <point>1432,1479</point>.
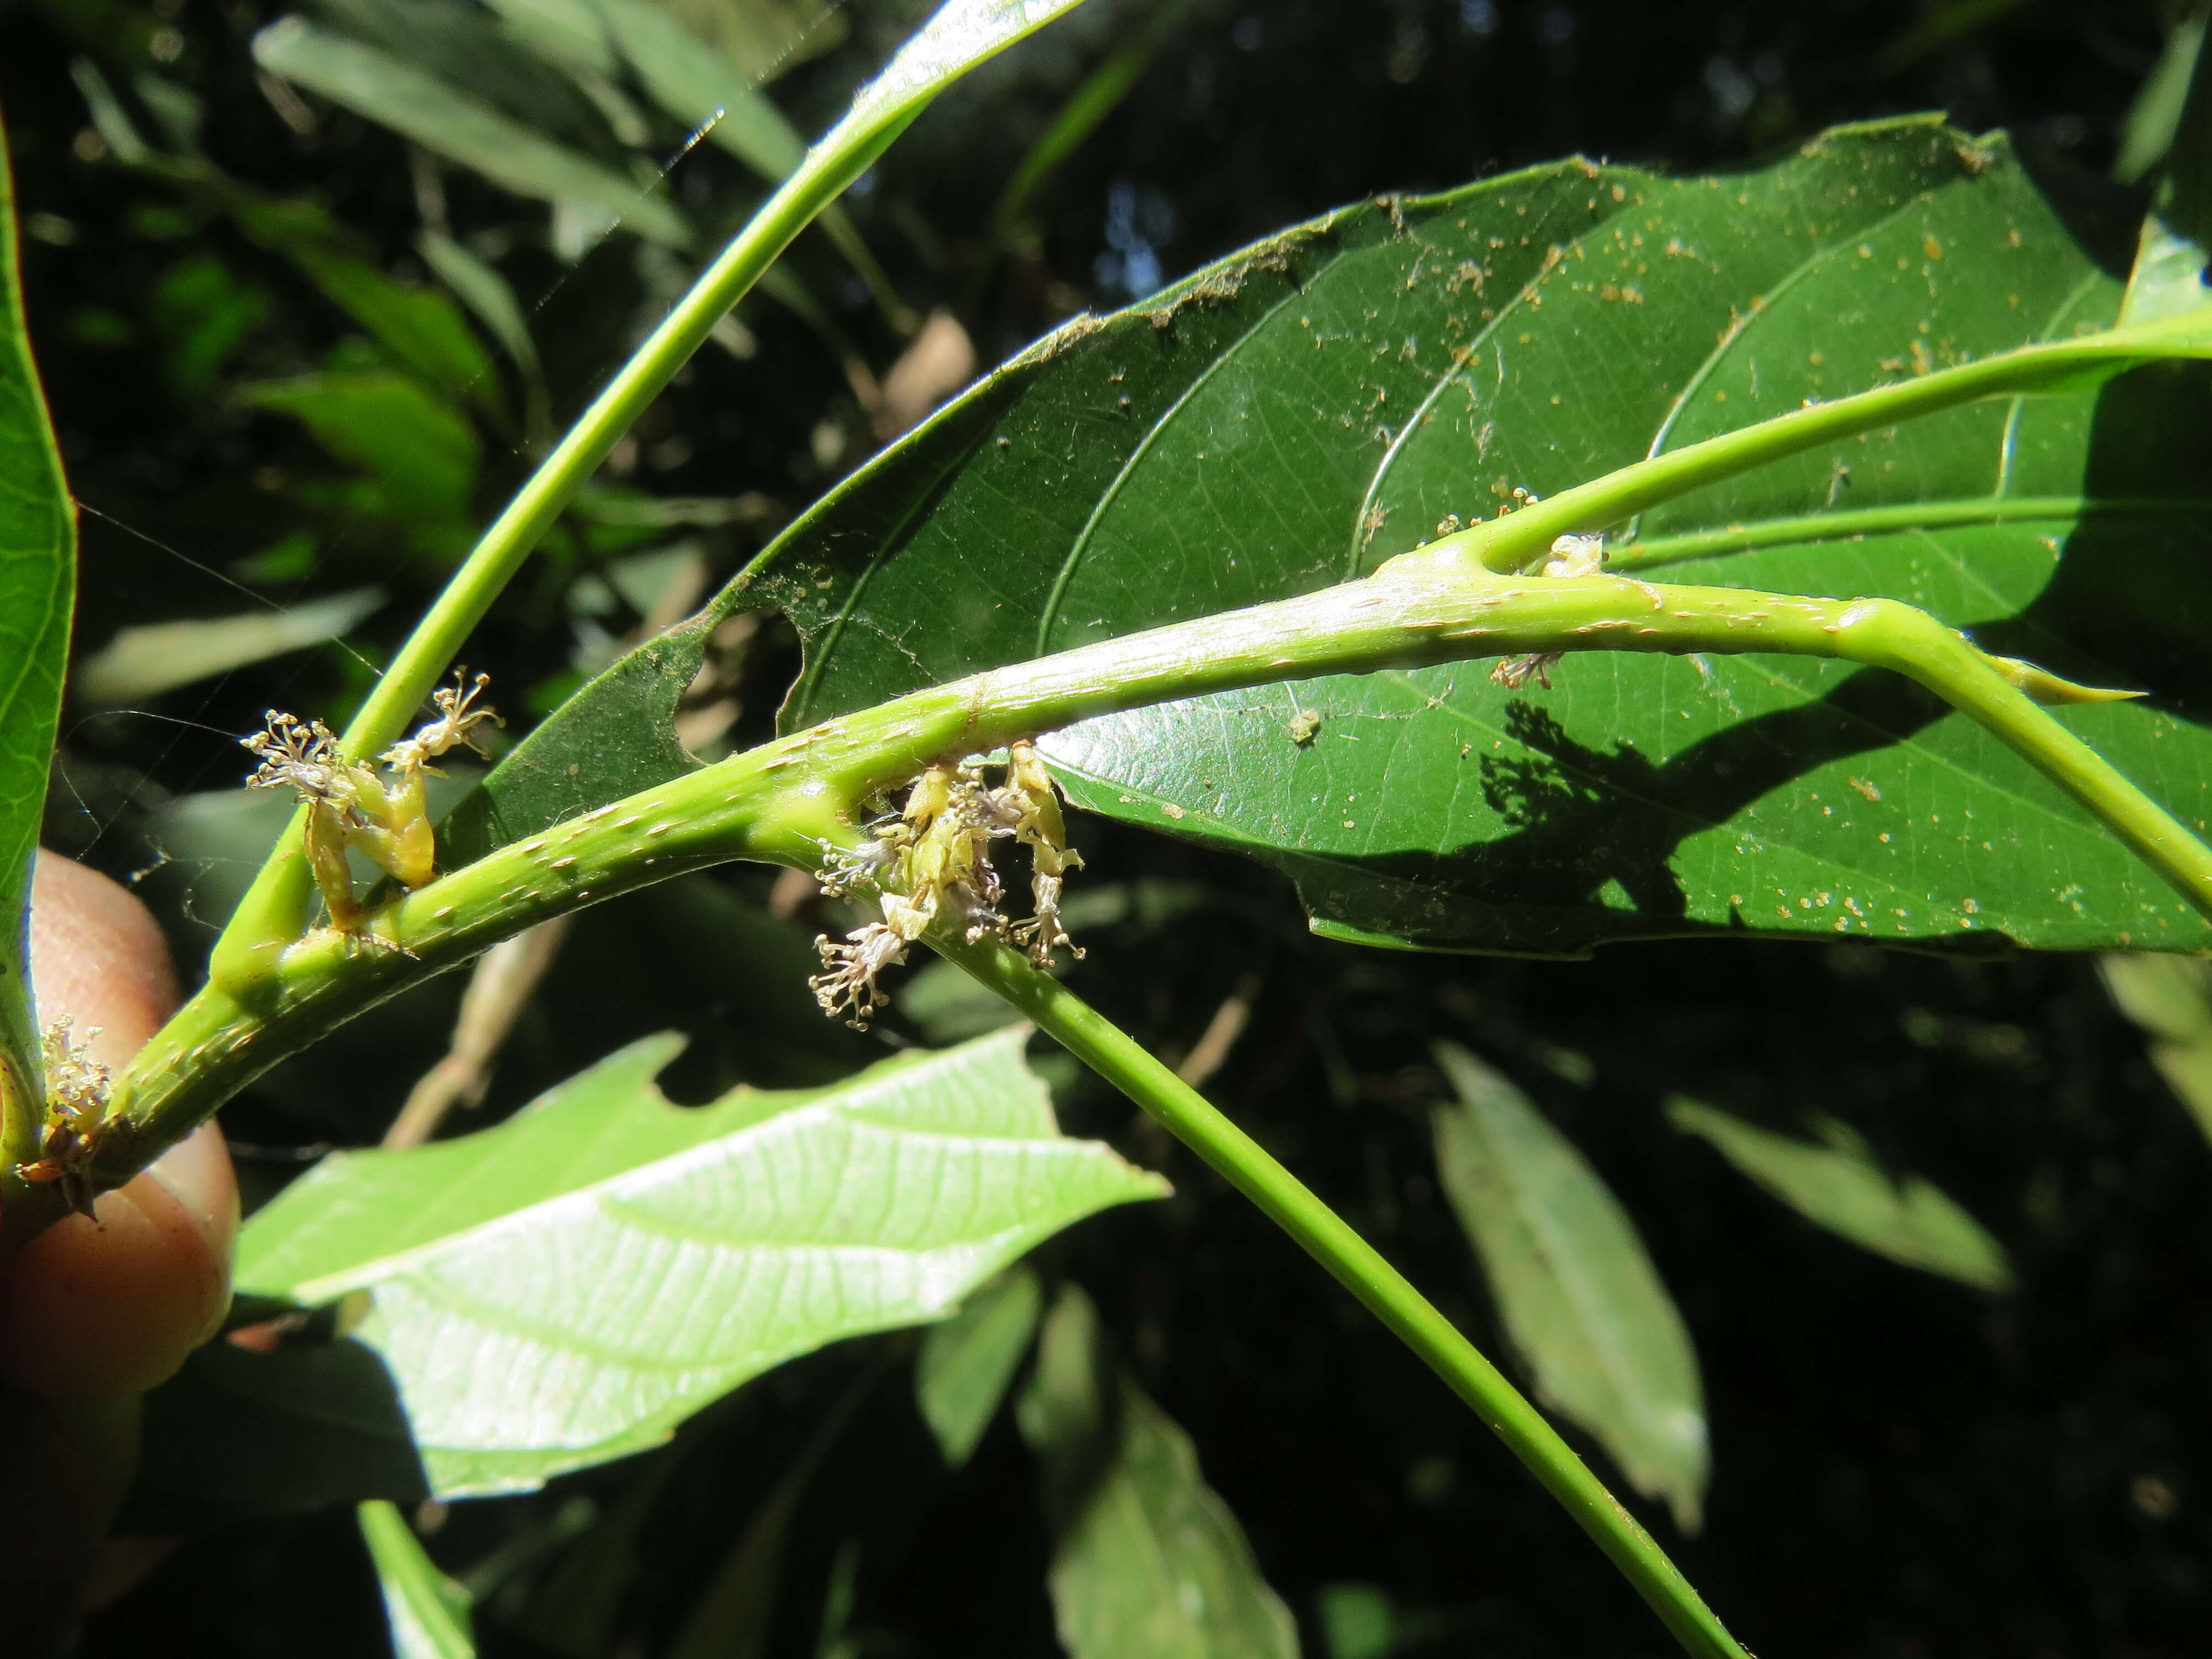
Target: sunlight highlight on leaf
<point>565,1287</point>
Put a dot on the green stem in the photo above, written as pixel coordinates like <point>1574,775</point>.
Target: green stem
<point>1361,1269</point>
<point>275,910</point>
<point>1649,553</point>
<point>779,802</point>
<point>1512,540</point>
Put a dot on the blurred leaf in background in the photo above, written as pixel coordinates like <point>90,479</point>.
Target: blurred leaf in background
<point>1147,1561</point>
<point>1840,1186</point>
<point>1574,1286</point>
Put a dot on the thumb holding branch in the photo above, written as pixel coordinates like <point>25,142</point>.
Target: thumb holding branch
<point>94,1313</point>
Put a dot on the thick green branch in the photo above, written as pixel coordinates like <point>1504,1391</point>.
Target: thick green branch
<point>1386,1292</point>
<point>779,802</point>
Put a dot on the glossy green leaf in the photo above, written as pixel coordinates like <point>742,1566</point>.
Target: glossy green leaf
<point>1574,1287</point>
<point>1297,413</point>
<point>428,1612</point>
<point>968,1361</point>
<point>389,90</point>
<point>1147,1562</point>
<point>564,1288</point>
<point>150,659</point>
<point>37,584</point>
<point>1840,1186</point>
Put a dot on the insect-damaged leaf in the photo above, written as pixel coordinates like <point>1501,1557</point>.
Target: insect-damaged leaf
<point>38,583</point>
<point>1577,1293</point>
<point>1147,1561</point>
<point>1292,415</point>
<point>565,1287</point>
<point>1840,1186</point>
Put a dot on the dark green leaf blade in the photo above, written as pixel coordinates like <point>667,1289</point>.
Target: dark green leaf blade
<point>37,584</point>
<point>1839,1187</point>
<point>564,1288</point>
<point>1302,411</point>
<point>1575,1289</point>
<point>1148,1563</point>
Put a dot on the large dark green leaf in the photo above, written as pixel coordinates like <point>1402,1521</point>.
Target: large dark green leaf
<point>1290,417</point>
<point>38,581</point>
<point>565,1287</point>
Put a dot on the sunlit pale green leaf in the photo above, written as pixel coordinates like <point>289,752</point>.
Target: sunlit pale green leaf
<point>156,657</point>
<point>1147,1562</point>
<point>968,1361</point>
<point>428,1612</point>
<point>458,126</point>
<point>1840,1186</point>
<point>565,1287</point>
<point>1574,1288</point>
<point>1292,415</point>
<point>38,582</point>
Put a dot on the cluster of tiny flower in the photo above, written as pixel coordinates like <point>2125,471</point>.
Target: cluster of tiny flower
<point>78,1088</point>
<point>1571,555</point>
<point>930,865</point>
<point>350,806</point>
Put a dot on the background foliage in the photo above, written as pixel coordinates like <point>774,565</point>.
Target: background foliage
<point>276,362</point>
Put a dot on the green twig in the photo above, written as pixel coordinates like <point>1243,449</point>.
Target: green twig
<point>779,802</point>
<point>1513,541</point>
<point>1641,553</point>
<point>1385,1293</point>
<point>274,911</point>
